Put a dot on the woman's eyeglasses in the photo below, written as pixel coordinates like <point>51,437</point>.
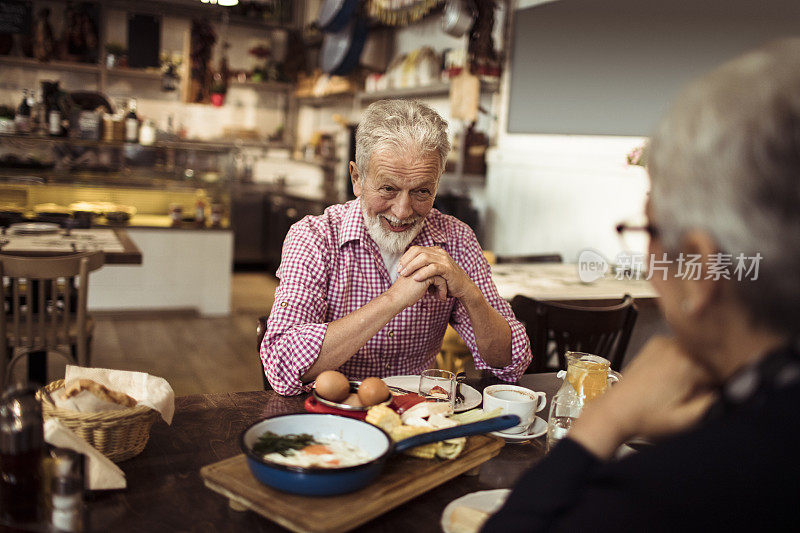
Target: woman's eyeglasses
<point>650,229</point>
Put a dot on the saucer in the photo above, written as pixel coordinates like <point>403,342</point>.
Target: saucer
<point>538,429</point>
<point>488,501</point>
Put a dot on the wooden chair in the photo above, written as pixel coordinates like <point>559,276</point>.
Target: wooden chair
<point>45,306</point>
<point>261,329</point>
<point>554,327</point>
<point>543,258</point>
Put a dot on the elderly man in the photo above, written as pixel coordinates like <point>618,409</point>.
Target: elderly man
<point>369,287</point>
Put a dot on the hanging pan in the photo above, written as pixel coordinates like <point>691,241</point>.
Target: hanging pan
<point>334,15</point>
<point>341,50</point>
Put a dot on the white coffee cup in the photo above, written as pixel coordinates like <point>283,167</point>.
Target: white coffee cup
<point>514,400</point>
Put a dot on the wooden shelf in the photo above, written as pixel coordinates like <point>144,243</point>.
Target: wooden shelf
<point>69,66</point>
<point>436,89</point>
<point>321,101</point>
<point>140,73</point>
<point>193,8</point>
<point>208,146</point>
<point>271,86</point>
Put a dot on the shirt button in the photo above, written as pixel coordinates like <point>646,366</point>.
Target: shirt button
<point>391,333</point>
<point>388,366</point>
<point>284,304</point>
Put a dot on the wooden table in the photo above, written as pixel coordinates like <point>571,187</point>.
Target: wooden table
<point>560,281</point>
<point>165,491</point>
<point>115,243</point>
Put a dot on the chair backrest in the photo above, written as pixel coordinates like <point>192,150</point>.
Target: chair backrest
<point>541,258</point>
<point>603,331</point>
<point>44,302</point>
<point>261,329</point>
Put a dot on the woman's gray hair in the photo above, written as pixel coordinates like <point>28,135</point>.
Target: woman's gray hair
<point>400,125</point>
<point>726,160</point>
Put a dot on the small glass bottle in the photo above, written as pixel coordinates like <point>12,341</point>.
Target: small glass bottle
<point>565,407</point>
<point>67,490</point>
<point>200,210</point>
<point>147,133</point>
<point>54,122</point>
<point>131,123</point>
<point>217,211</point>
<point>22,119</point>
<point>176,214</point>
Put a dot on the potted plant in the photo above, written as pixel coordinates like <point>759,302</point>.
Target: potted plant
<point>219,88</point>
<point>116,55</point>
<point>7,119</point>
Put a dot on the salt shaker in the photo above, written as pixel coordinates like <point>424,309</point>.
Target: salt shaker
<point>67,490</point>
<point>21,445</point>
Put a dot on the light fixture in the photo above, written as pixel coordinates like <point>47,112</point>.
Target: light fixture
<point>226,3</point>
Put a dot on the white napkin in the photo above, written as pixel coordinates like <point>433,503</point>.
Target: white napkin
<point>83,402</point>
<point>103,473</point>
<point>147,390</point>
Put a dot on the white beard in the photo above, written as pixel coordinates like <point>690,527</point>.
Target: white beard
<point>391,242</point>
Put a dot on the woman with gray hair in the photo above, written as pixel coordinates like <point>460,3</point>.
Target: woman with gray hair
<point>720,399</point>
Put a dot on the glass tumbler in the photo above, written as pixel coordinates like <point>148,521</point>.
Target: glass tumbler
<point>438,386</point>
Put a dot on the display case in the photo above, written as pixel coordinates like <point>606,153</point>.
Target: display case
<point>168,183</point>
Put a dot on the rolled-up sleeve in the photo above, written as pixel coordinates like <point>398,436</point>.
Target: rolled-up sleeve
<point>296,326</point>
<point>477,268</point>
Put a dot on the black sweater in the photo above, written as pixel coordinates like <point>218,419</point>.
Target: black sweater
<point>737,470</point>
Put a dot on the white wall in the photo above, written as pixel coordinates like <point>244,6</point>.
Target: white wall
<point>564,193</point>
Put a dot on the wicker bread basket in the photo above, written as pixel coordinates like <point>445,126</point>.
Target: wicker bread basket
<point>118,434</point>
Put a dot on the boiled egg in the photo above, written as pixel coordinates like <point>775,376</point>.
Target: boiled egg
<point>373,391</point>
<point>332,385</point>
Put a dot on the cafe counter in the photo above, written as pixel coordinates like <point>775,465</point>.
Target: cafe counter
<point>182,268</point>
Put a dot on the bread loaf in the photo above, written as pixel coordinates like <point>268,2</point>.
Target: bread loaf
<point>100,391</point>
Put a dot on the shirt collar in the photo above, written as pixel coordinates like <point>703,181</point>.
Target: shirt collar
<point>353,227</point>
<point>432,233</point>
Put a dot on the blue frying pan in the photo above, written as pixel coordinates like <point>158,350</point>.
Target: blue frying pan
<point>371,439</point>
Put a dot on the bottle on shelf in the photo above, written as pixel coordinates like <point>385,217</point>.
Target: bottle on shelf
<point>147,133</point>
<point>200,209</point>
<point>132,123</point>
<point>54,127</point>
<point>53,115</point>
<point>38,113</point>
<point>22,118</point>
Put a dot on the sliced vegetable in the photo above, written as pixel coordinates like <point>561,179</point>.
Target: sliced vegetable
<point>271,442</point>
<point>475,415</point>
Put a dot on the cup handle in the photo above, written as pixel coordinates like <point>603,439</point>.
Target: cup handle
<point>541,401</point>
<point>613,377</point>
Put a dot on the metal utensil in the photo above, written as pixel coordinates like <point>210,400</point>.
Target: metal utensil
<point>460,378</point>
<point>401,390</point>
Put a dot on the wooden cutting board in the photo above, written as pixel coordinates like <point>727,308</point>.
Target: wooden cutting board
<point>402,479</point>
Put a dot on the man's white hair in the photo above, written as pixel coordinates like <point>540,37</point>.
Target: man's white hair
<point>400,126</point>
<point>726,160</point>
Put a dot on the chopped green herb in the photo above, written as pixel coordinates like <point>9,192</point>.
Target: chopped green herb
<point>271,442</point>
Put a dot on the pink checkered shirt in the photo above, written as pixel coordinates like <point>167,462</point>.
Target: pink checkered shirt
<point>331,266</point>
